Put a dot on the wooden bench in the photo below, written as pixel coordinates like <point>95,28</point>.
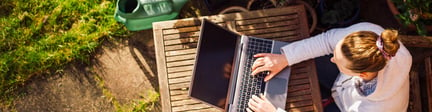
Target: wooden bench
<point>175,45</point>
<point>421,72</point>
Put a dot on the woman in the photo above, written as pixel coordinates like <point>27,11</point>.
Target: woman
<point>373,65</point>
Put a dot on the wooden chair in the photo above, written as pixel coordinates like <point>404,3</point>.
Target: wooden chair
<point>175,45</point>
<point>421,72</point>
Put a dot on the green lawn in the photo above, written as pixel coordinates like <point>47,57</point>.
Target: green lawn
<point>40,36</point>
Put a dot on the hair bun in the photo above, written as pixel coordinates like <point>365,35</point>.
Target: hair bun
<point>390,41</point>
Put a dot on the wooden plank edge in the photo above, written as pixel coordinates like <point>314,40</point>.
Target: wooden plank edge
<point>416,41</point>
<point>428,67</point>
<point>161,69</point>
<point>415,105</point>
<point>316,93</point>
<point>304,26</point>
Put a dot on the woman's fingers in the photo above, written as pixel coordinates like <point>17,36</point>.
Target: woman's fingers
<point>260,104</point>
<point>261,55</point>
<point>255,102</point>
<point>270,76</point>
<point>248,110</point>
<point>263,97</point>
<point>258,70</point>
<point>257,99</point>
<point>258,62</point>
<point>252,104</point>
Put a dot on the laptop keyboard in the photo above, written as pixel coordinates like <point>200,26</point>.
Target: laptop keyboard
<point>252,85</point>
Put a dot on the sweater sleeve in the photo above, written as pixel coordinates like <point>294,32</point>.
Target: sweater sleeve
<point>280,110</point>
<point>324,43</point>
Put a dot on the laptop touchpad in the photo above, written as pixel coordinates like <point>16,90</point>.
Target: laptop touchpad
<point>276,90</point>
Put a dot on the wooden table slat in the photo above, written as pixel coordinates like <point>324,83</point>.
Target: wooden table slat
<point>179,74</point>
<point>298,87</point>
<point>287,17</point>
<point>179,80</point>
<point>295,76</point>
<point>299,104</point>
<point>181,41</point>
<point>180,46</point>
<point>299,82</point>
<point>269,30</point>
<point>181,57</point>
<point>299,93</point>
<point>301,70</point>
<point>180,69</point>
<point>266,25</point>
<point>184,102</point>
<point>179,97</point>
<point>187,22</point>
<point>264,13</point>
<point>180,52</point>
<point>205,110</point>
<point>302,109</point>
<point>178,92</point>
<point>190,107</point>
<point>181,30</point>
<point>173,24</point>
<point>186,29</point>
<point>299,98</point>
<point>183,85</point>
<point>181,35</point>
<point>180,63</point>
<point>286,35</point>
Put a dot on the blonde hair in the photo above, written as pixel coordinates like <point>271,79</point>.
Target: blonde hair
<point>361,50</point>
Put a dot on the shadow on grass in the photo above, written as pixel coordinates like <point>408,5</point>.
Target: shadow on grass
<point>6,8</point>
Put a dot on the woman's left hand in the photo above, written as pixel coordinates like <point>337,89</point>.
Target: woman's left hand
<point>260,104</point>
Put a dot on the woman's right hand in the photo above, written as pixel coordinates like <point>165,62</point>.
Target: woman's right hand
<point>274,63</point>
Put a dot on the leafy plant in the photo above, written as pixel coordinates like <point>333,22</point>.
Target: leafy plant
<point>415,12</point>
<point>338,12</point>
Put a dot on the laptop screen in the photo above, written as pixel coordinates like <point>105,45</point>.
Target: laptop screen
<point>213,66</point>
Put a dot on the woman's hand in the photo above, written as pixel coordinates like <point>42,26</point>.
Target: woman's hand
<point>260,104</point>
<point>274,63</point>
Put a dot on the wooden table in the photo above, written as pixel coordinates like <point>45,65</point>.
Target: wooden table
<point>175,45</point>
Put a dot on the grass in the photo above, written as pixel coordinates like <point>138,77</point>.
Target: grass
<point>40,36</point>
<point>146,104</point>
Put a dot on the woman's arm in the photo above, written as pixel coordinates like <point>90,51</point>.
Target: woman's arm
<point>324,43</point>
<point>299,51</point>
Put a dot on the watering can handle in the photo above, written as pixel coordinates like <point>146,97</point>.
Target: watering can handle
<point>120,19</point>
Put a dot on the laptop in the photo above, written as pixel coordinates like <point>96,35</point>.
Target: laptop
<point>221,75</point>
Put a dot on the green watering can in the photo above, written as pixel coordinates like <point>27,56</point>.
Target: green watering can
<point>140,14</point>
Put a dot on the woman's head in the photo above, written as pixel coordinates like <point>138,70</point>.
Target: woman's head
<point>358,52</point>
